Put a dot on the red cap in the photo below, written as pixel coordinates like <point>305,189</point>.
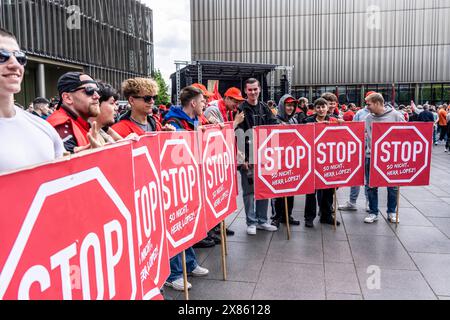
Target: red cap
<point>369,93</point>
<point>203,88</point>
<point>234,93</point>
<point>290,100</point>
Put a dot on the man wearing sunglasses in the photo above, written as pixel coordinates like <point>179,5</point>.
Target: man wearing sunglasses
<point>25,139</point>
<point>79,101</point>
<point>141,94</point>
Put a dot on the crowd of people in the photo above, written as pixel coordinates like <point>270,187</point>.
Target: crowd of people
<point>87,116</point>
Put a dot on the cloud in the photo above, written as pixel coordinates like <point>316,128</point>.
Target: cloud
<point>171,33</point>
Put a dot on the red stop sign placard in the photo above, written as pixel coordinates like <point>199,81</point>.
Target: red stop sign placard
<point>284,161</point>
<point>153,253</point>
<point>401,154</point>
<point>219,173</point>
<point>340,155</point>
<point>182,190</point>
<point>70,234</point>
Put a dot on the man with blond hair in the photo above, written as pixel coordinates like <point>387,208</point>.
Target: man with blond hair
<point>141,94</point>
<point>379,113</point>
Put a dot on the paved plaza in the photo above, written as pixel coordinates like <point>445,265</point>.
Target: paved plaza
<point>358,261</point>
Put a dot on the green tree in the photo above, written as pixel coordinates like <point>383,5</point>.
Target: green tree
<point>163,95</point>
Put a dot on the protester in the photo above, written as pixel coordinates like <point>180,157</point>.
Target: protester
<point>79,101</point>
<point>107,115</point>
<point>256,113</point>
<point>324,197</point>
<point>360,116</point>
<point>302,109</point>
<point>286,115</point>
<point>182,118</point>
<point>442,123</point>
<point>333,103</point>
<point>221,111</point>
<point>41,108</point>
<point>379,113</point>
<point>141,94</point>
<point>25,140</point>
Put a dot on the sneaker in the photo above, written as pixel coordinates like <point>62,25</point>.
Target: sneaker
<point>251,230</point>
<point>446,150</point>
<point>348,207</point>
<point>392,217</point>
<point>178,284</point>
<point>266,227</point>
<point>371,218</point>
<point>199,272</point>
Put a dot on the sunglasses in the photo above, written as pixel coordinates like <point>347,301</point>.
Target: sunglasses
<point>146,99</point>
<point>89,91</point>
<point>21,57</point>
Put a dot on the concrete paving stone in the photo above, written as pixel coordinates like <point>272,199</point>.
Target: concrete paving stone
<point>207,289</point>
<point>337,251</point>
<point>244,262</point>
<point>302,248</point>
<point>395,285</point>
<point>437,209</point>
<point>203,253</point>
<point>446,200</point>
<point>435,268</point>
<point>343,297</point>
<point>423,239</point>
<point>443,298</point>
<point>354,225</point>
<point>438,192</point>
<point>341,278</point>
<point>239,226</point>
<point>289,281</point>
<point>410,217</point>
<point>443,224</point>
<point>329,234</point>
<point>384,252</point>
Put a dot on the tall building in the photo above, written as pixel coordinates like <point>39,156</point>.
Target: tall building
<point>398,47</point>
<point>110,39</point>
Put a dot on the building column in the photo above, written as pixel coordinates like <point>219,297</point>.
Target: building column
<point>310,98</point>
<point>363,96</point>
<point>417,94</point>
<point>40,80</point>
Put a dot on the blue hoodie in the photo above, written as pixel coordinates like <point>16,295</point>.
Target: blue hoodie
<point>177,113</point>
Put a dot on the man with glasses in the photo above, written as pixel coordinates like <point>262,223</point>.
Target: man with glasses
<point>79,101</point>
<point>25,139</point>
<point>141,94</point>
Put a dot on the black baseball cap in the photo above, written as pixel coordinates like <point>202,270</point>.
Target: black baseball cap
<point>71,81</point>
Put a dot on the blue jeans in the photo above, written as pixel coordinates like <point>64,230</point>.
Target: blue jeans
<point>176,264</point>
<point>354,193</point>
<point>372,194</point>
<point>256,211</point>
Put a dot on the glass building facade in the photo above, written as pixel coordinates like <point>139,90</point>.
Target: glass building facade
<point>110,39</point>
<point>398,47</point>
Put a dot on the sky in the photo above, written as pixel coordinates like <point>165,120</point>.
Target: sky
<point>171,33</point>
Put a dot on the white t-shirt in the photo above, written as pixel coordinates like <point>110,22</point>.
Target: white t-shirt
<point>26,140</point>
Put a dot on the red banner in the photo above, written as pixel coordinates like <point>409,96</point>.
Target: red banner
<point>69,232</point>
<point>219,173</point>
<point>401,154</point>
<point>153,255</point>
<point>340,154</point>
<point>182,190</point>
<point>284,157</point>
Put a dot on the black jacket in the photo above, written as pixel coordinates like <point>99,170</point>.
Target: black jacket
<point>259,115</point>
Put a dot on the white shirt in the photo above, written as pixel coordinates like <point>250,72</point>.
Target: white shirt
<point>26,140</point>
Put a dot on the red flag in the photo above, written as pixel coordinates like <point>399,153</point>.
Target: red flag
<point>216,92</point>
